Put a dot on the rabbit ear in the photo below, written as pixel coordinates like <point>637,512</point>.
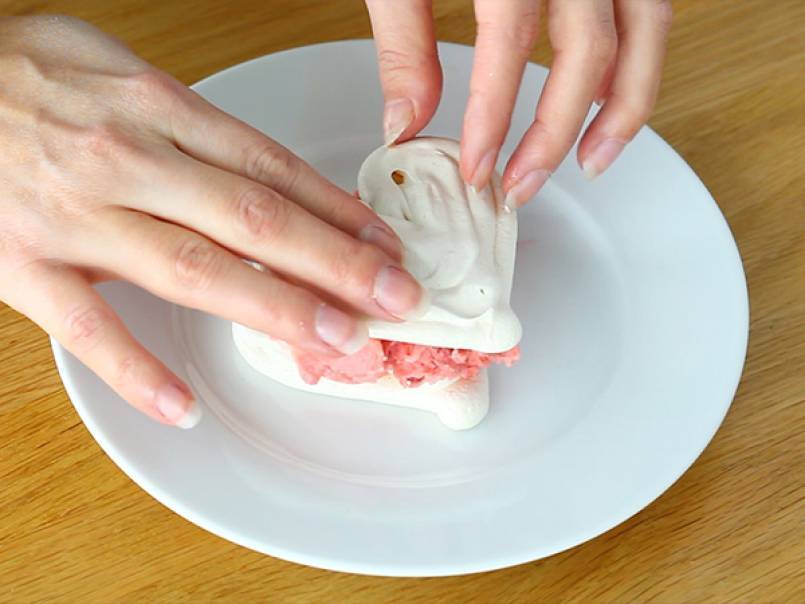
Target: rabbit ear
<point>460,245</point>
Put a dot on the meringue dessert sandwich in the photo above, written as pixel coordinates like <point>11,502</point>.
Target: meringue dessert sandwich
<point>460,246</point>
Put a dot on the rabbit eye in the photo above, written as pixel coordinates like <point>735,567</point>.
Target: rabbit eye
<point>398,176</point>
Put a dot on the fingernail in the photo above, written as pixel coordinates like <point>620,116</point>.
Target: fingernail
<point>191,418</point>
<point>602,157</point>
<point>383,238</point>
<point>397,116</point>
<point>399,294</point>
<point>524,188</point>
<point>340,330</point>
<point>176,407</point>
<point>483,171</point>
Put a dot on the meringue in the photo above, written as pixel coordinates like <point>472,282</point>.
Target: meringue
<point>459,244</point>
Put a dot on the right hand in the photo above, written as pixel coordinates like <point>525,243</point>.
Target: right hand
<point>609,50</point>
<point>111,169</point>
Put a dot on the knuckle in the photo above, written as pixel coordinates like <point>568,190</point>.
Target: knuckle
<point>106,143</point>
<point>22,66</point>
<point>401,69</point>
<point>12,266</point>
<point>342,211</point>
<point>274,311</point>
<point>548,144</point>
<point>85,327</point>
<point>341,265</point>
<point>128,372</point>
<point>664,15</point>
<point>261,213</point>
<point>639,116</point>
<point>352,263</point>
<point>196,263</point>
<point>22,245</point>
<point>152,84</point>
<point>519,38</point>
<point>603,45</point>
<point>525,33</point>
<point>392,61</point>
<point>270,163</point>
<point>634,113</point>
<point>398,66</point>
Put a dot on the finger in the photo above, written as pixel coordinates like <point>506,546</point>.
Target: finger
<point>643,31</point>
<point>606,82</point>
<point>506,35</point>
<point>216,138</point>
<point>190,270</point>
<point>584,40</point>
<point>409,65</point>
<point>66,306</point>
<point>260,224</point>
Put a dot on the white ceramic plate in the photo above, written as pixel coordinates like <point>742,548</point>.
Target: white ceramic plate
<point>634,307</point>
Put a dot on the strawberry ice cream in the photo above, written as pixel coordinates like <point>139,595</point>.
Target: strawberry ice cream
<point>411,364</point>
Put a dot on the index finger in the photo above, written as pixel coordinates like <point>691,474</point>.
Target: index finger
<point>214,137</point>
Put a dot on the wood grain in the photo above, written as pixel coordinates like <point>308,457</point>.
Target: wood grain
<point>73,528</point>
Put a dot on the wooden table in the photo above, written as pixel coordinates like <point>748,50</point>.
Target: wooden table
<point>74,528</point>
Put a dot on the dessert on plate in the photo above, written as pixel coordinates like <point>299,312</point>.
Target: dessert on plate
<point>460,245</point>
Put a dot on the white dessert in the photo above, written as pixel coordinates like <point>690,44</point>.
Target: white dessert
<point>460,245</point>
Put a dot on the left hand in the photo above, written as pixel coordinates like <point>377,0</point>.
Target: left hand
<point>610,51</point>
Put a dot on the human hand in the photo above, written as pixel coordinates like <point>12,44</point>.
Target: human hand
<point>604,50</point>
<point>113,170</point>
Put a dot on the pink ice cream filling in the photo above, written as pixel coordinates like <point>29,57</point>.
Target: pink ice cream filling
<point>411,364</point>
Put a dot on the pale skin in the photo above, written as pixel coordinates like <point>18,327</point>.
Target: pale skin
<point>114,170</point>
<point>606,51</point>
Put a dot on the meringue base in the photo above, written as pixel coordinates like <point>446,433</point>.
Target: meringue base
<point>459,405</point>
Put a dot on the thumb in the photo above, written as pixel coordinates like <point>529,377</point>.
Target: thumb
<point>409,65</point>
